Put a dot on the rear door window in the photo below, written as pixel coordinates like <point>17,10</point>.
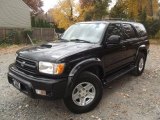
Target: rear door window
<point>129,31</point>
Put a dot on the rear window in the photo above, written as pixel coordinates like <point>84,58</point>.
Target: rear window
<point>128,29</point>
<point>140,29</point>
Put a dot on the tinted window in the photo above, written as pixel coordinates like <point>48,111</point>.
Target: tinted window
<point>140,29</point>
<point>129,30</point>
<point>115,29</point>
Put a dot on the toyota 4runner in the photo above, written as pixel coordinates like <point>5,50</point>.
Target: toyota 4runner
<point>87,57</point>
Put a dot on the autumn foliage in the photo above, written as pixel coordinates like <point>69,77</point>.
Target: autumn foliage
<point>68,12</point>
<point>134,9</point>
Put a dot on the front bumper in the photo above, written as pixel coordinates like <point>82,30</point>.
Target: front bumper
<point>55,88</point>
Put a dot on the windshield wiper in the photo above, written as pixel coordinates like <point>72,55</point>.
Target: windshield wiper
<point>79,40</point>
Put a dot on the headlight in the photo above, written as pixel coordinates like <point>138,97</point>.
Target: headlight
<point>51,68</point>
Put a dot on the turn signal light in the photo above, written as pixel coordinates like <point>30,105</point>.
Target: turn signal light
<point>59,69</point>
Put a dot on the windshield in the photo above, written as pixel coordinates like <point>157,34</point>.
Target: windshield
<point>89,32</point>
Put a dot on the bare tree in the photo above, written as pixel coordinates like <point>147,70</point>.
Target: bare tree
<point>35,5</point>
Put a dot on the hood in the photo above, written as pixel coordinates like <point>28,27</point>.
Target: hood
<point>52,52</point>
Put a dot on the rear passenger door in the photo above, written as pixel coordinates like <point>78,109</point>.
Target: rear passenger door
<point>130,42</point>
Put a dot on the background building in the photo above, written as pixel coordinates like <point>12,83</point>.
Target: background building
<point>14,14</point>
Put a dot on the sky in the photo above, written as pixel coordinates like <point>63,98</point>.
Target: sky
<point>51,3</point>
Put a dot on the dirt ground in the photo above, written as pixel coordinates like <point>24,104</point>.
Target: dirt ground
<point>128,98</point>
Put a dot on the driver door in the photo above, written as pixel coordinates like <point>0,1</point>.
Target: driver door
<point>114,53</point>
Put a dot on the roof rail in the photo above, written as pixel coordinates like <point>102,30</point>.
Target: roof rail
<point>122,19</point>
<point>113,19</point>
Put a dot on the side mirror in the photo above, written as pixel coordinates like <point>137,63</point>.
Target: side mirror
<point>113,39</point>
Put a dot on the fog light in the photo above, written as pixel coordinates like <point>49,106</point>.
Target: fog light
<point>40,92</point>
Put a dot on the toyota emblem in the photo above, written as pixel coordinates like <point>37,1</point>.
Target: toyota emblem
<point>23,63</point>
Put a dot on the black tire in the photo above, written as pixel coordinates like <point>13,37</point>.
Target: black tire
<point>89,78</point>
<point>137,71</point>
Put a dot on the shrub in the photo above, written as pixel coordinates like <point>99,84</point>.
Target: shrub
<point>25,32</point>
<point>157,36</point>
<point>25,35</point>
<point>152,26</point>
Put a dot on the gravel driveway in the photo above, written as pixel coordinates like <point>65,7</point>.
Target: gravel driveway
<point>128,98</point>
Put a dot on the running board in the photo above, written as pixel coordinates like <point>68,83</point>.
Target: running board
<point>118,74</point>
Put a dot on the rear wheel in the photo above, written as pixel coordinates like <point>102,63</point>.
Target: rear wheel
<point>140,64</point>
<point>85,93</point>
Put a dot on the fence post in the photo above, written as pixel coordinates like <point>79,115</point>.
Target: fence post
<point>41,34</point>
<point>5,35</point>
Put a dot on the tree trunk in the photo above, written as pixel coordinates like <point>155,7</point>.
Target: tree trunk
<point>150,7</point>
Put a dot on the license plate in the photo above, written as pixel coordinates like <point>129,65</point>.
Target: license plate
<point>16,84</point>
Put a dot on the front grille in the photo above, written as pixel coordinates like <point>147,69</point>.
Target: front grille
<point>26,65</point>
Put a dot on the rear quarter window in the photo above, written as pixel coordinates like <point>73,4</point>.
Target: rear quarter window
<point>140,30</point>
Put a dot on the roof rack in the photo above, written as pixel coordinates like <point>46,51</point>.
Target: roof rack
<point>122,19</point>
<point>112,19</point>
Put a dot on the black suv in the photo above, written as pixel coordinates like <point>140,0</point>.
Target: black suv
<point>87,57</point>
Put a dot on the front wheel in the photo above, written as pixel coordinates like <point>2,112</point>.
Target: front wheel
<point>85,93</point>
